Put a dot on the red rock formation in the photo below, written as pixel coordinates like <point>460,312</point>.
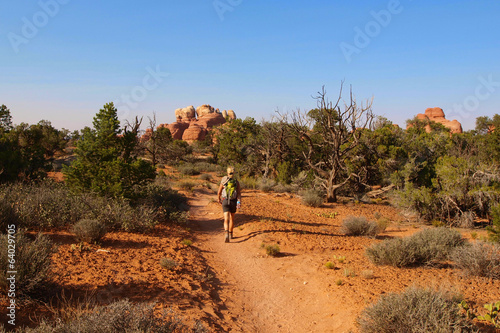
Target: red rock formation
<point>204,110</point>
<point>177,129</point>
<point>185,114</point>
<point>437,115</point>
<point>195,132</point>
<point>231,114</point>
<point>193,124</point>
<point>211,120</point>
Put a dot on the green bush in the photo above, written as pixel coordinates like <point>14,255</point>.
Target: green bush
<point>248,183</point>
<point>273,250</point>
<point>44,204</point>
<point>47,205</point>
<point>415,310</point>
<point>121,316</point>
<point>187,185</point>
<point>358,226</point>
<point>8,215</point>
<point>478,259</point>
<point>422,248</point>
<point>168,263</point>
<point>265,185</point>
<point>32,262</point>
<point>494,230</point>
<point>312,198</point>
<point>206,167</point>
<point>188,169</point>
<point>206,177</point>
<point>90,231</point>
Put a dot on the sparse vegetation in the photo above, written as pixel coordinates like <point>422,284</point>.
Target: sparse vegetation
<point>187,242</point>
<point>186,185</point>
<point>188,169</point>
<point>168,263</point>
<point>312,198</point>
<point>330,265</point>
<point>494,229</point>
<point>121,316</point>
<point>367,274</point>
<point>51,205</point>
<point>32,263</point>
<point>273,250</point>
<point>422,248</point>
<point>478,259</point>
<point>359,226</point>
<point>90,231</point>
<point>206,177</point>
<point>415,310</point>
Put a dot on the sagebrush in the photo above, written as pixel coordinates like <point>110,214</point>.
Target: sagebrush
<point>358,226</point>
<point>425,247</point>
<point>32,263</point>
<point>415,310</point>
<point>478,259</point>
<point>121,316</point>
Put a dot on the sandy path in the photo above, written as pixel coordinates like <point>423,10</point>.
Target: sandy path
<point>261,293</point>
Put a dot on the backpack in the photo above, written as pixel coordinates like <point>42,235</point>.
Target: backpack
<point>230,187</point>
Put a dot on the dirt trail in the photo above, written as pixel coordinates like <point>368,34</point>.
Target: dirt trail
<point>261,293</point>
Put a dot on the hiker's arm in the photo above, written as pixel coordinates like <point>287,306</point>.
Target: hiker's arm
<point>238,191</point>
<point>219,193</point>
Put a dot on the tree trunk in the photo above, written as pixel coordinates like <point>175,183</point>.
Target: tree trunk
<point>331,189</point>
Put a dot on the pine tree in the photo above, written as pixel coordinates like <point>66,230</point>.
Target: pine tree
<point>100,165</point>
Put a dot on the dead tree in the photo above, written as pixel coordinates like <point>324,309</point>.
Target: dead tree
<point>331,133</point>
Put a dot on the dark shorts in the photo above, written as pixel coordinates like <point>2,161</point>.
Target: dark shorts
<point>229,206</point>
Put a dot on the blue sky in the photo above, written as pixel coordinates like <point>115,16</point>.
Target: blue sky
<point>62,60</point>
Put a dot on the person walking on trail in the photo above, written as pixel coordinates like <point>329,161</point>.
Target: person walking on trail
<point>229,195</point>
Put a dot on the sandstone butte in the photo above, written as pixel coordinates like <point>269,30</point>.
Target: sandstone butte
<point>193,124</point>
<point>437,115</point>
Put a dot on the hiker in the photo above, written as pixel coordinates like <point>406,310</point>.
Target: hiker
<point>229,195</point>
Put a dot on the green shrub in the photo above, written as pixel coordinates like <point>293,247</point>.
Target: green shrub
<point>422,248</point>
<point>206,177</point>
<point>188,169</point>
<point>478,259</point>
<point>187,185</point>
<point>330,265</point>
<point>44,204</point>
<point>121,316</point>
<point>415,310</point>
<point>358,226</point>
<point>273,250</point>
<point>47,205</point>
<point>32,262</point>
<point>8,215</point>
<point>90,231</point>
<point>168,263</point>
<point>265,185</point>
<point>248,183</point>
<point>206,167</point>
<point>494,230</point>
<point>312,198</point>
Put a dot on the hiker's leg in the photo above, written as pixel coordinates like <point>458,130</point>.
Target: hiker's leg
<point>227,218</point>
<point>231,222</point>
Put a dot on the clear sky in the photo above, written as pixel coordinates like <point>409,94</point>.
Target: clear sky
<point>62,60</point>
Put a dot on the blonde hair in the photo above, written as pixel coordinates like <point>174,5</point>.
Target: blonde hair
<point>230,168</point>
